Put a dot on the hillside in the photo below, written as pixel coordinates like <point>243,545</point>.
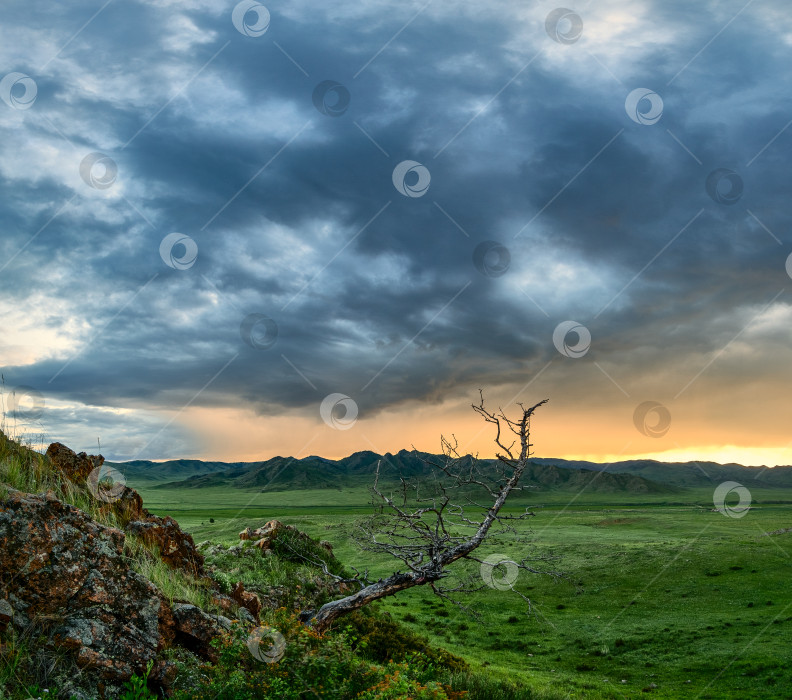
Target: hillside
<point>122,604</point>
<point>144,470</point>
<point>686,474</point>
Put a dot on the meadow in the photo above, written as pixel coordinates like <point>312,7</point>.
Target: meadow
<point>661,595</point>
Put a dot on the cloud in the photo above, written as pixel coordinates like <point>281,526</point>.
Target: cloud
<point>295,216</point>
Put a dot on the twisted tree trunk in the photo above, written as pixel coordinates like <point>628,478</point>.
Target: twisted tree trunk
<point>429,564</point>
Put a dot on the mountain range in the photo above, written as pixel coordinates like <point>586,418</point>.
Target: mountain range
<point>543,474</point>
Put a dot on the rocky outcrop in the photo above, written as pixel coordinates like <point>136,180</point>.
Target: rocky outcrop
<point>68,574</point>
<point>76,467</point>
<point>176,547</point>
<point>265,535</point>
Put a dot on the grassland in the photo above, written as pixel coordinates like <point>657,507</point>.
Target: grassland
<point>661,596</point>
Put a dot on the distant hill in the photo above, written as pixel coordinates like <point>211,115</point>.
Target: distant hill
<point>544,474</point>
<point>172,470</point>
<point>289,473</point>
<point>687,474</point>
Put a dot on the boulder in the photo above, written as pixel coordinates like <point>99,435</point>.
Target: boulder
<point>195,629</point>
<point>68,574</point>
<point>76,467</point>
<point>176,547</point>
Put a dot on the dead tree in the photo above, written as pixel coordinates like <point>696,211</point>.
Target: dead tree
<point>429,527</point>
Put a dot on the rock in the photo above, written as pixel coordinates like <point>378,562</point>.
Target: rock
<point>245,616</point>
<point>223,602</point>
<point>128,506</point>
<point>6,613</point>
<point>176,547</point>
<point>264,534</point>
<point>246,599</point>
<point>263,544</point>
<point>75,466</point>
<point>68,574</point>
<point>195,629</point>
<point>327,546</point>
<point>163,673</point>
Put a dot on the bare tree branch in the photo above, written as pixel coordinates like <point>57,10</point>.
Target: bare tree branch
<point>428,526</point>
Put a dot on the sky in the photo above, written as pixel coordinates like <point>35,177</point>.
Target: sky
<point>233,230</point>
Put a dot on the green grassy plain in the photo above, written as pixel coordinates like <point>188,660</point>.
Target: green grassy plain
<point>662,596</point>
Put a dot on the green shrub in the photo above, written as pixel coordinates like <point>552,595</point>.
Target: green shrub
<point>136,687</point>
<point>311,666</point>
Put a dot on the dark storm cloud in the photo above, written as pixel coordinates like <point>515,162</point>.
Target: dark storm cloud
<point>270,215</point>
